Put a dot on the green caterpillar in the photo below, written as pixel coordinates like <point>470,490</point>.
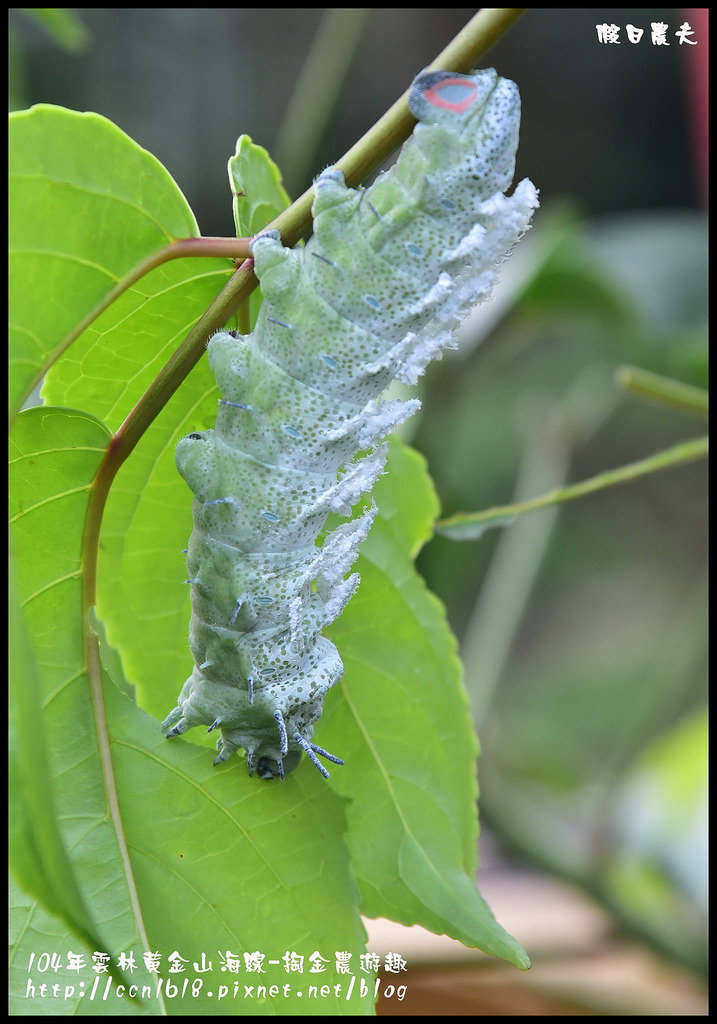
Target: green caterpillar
<point>379,290</point>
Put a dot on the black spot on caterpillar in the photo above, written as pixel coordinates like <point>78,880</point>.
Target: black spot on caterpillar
<point>379,290</point>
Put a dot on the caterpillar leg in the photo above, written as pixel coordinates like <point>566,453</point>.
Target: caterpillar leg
<point>311,749</point>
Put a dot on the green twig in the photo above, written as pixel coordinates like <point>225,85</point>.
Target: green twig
<point>674,394</point>
<point>470,525</point>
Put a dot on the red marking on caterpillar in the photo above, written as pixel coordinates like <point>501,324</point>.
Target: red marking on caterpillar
<point>440,94</point>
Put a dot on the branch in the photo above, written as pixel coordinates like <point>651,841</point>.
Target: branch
<point>471,525</point>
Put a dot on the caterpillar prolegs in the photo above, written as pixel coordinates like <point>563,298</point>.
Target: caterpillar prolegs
<point>379,290</point>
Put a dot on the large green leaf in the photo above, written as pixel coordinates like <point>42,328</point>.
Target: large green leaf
<point>38,856</point>
<point>87,205</point>
<point>111,365</point>
<point>54,457</point>
<point>169,853</point>
<point>405,727</point>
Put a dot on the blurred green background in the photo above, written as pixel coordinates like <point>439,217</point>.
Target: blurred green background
<point>583,630</point>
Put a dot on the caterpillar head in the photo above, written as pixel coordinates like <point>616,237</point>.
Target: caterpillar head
<point>271,768</point>
<point>271,751</point>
